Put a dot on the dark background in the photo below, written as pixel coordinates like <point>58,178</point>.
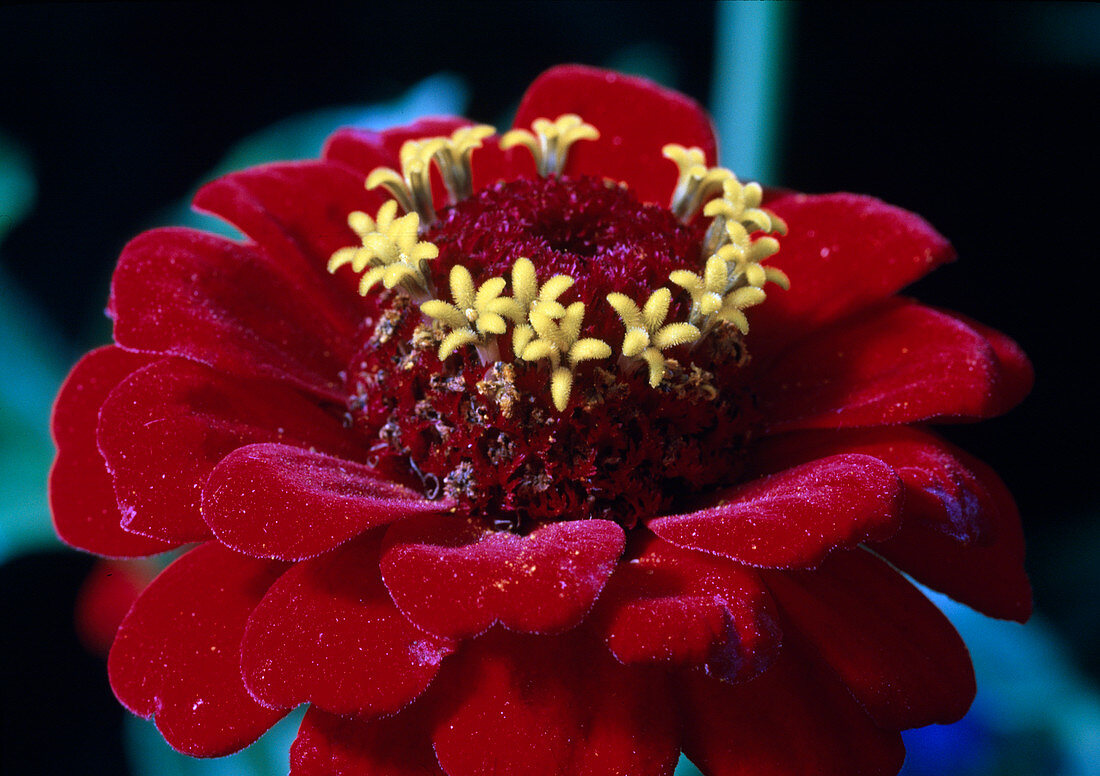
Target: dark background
<point>977,116</point>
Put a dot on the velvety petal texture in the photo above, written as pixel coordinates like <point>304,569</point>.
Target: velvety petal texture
<point>177,653</point>
<point>530,706</point>
<point>987,574</point>
<point>331,745</point>
<point>843,253</point>
<point>795,518</point>
<point>164,428</point>
<point>280,501</point>
<point>796,718</point>
<point>178,292</point>
<point>327,633</point>
<point>674,606</point>
<point>456,579</point>
<point>894,650</point>
<point>900,362</point>
<point>960,531</point>
<point>82,498</point>
<point>298,214</point>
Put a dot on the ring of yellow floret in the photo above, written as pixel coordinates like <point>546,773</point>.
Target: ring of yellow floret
<point>730,280</point>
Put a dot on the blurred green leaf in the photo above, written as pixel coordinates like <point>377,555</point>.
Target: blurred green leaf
<point>32,366</point>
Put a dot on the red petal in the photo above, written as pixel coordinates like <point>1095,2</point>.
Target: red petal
<point>328,745</point>
<point>177,654</point>
<point>164,428</point>
<point>794,518</point>
<point>894,650</point>
<point>676,606</point>
<point>454,578</point>
<point>328,633</point>
<point>842,252</point>
<point>278,501</point>
<point>940,491</point>
<point>182,292</point>
<point>987,574</point>
<point>298,214</point>
<point>899,363</point>
<point>636,118</point>
<point>795,719</point>
<point>539,706</point>
<point>82,499</point>
<point>1016,374</point>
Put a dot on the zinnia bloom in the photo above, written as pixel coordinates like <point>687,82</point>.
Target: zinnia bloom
<point>559,452</point>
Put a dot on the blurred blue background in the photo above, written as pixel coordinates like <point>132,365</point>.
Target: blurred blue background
<point>974,115</point>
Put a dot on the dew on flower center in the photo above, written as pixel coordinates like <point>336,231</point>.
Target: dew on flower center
<point>542,346</point>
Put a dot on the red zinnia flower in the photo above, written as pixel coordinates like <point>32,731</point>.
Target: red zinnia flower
<point>535,502</point>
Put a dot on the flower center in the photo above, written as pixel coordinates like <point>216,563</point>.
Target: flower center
<point>448,404</point>
<point>480,431</point>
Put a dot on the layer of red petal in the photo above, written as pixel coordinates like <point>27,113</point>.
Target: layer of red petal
<point>278,501</point>
<point>330,745</point>
<point>636,118</point>
<point>794,518</point>
<point>1015,371</point>
<point>297,213</point>
<point>82,498</point>
<point>794,719</point>
<point>164,428</point>
<point>327,633</point>
<point>177,653</point>
<point>941,493</point>
<point>842,252</point>
<point>669,605</point>
<point>187,293</point>
<point>536,706</point>
<point>987,574</point>
<point>455,578</point>
<point>894,650</point>
<point>898,363</point>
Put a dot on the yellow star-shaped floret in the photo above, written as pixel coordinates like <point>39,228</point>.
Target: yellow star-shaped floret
<point>391,250</point>
<point>696,182</point>
<point>528,295</point>
<point>550,141</point>
<point>475,315</point>
<point>714,296</point>
<point>647,334</point>
<point>453,158</point>
<point>557,338</point>
<point>737,213</point>
<point>745,261</point>
<point>412,187</point>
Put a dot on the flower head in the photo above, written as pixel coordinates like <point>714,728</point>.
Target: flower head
<point>572,513</point>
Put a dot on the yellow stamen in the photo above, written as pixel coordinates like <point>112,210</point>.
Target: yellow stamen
<point>526,295</point>
<point>557,339</point>
<point>474,318</point>
<point>736,215</point>
<point>549,143</point>
<point>646,332</point>
<point>391,251</point>
<point>696,183</point>
<point>453,159</point>
<point>412,187</point>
